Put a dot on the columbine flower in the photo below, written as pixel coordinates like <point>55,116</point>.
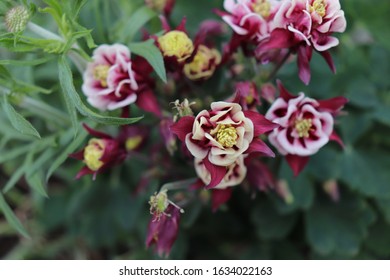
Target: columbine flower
<point>221,135</point>
<point>16,19</point>
<point>306,125</point>
<point>304,25</point>
<point>248,95</point>
<point>249,19</point>
<point>175,45</point>
<point>114,81</point>
<point>164,225</point>
<point>203,64</point>
<point>101,152</point>
<point>163,231</point>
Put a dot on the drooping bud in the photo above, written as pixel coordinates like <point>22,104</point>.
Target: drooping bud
<point>17,18</point>
<point>168,137</point>
<point>284,192</point>
<point>332,189</point>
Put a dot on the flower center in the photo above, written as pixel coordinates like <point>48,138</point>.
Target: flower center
<point>200,66</point>
<point>262,7</point>
<point>303,127</point>
<point>100,73</point>
<point>226,135</point>
<point>93,152</point>
<point>176,43</point>
<point>319,6</point>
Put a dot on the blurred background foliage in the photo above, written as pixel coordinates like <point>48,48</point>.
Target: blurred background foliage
<point>106,219</point>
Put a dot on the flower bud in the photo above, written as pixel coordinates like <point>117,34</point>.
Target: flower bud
<point>17,18</point>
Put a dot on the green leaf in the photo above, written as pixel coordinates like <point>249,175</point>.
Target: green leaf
<point>384,207</point>
<point>133,24</point>
<point>300,187</point>
<point>338,227</point>
<point>66,81</point>
<point>382,114</point>
<point>26,62</point>
<point>378,240</point>
<point>17,120</point>
<point>366,172</point>
<point>35,181</point>
<point>269,223</point>
<point>152,54</point>
<point>65,154</point>
<point>11,218</point>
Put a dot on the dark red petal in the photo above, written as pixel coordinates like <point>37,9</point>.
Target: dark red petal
<point>164,23</point>
<point>333,104</point>
<point>260,123</point>
<point>283,92</point>
<point>297,163</point>
<point>335,137</point>
<point>304,65</point>
<point>219,197</point>
<point>328,58</point>
<point>147,101</point>
<point>84,171</point>
<point>182,127</point>
<point>78,155</point>
<point>216,172</point>
<point>258,146</point>
<point>279,39</point>
<point>182,25</point>
<point>96,133</point>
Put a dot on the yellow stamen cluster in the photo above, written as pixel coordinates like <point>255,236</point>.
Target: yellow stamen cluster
<point>262,7</point>
<point>93,152</point>
<point>176,43</point>
<point>226,135</point>
<point>319,6</point>
<point>100,73</point>
<point>303,127</point>
<point>202,66</point>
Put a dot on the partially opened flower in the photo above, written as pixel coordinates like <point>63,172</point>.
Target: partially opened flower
<point>113,80</point>
<point>101,153</point>
<point>175,45</point>
<point>219,136</point>
<point>203,64</point>
<point>248,95</point>
<point>304,25</point>
<point>306,125</point>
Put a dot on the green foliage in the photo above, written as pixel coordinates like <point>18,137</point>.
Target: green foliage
<point>51,215</point>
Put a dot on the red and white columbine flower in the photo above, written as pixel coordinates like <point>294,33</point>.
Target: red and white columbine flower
<point>218,137</point>
<point>113,80</point>
<point>305,125</point>
<point>304,25</point>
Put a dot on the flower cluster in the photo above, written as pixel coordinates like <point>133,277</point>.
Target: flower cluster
<point>222,136</point>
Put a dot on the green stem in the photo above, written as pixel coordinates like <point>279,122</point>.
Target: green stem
<point>178,185</point>
<point>277,67</point>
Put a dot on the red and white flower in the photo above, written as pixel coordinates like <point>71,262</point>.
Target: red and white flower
<point>112,80</point>
<point>304,25</point>
<point>305,125</point>
<point>219,136</point>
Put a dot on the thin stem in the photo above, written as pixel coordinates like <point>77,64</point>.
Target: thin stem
<point>278,66</point>
<point>178,185</point>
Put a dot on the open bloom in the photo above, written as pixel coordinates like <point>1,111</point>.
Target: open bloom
<point>112,80</point>
<point>306,125</point>
<point>304,25</point>
<point>219,136</point>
